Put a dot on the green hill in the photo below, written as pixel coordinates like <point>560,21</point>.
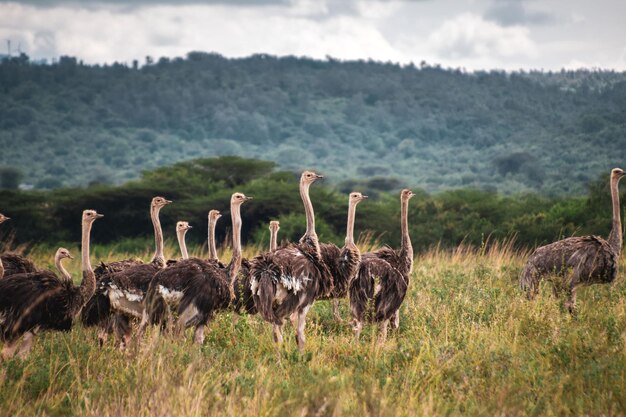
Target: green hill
<point>69,124</point>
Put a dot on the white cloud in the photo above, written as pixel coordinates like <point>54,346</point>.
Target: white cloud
<point>470,36</point>
<point>447,32</point>
<point>111,33</point>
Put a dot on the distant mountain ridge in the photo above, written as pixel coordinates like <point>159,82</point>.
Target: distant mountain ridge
<point>73,124</point>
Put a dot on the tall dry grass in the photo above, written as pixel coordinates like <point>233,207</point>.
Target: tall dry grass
<point>469,344</point>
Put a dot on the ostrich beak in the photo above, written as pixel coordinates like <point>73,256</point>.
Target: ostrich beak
<point>99,216</point>
<point>248,198</point>
<point>70,256</point>
<point>364,197</point>
<point>319,177</point>
<point>168,201</point>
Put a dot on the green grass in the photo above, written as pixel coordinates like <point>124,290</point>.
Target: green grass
<point>469,343</point>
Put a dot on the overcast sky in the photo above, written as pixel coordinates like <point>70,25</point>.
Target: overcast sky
<point>475,34</point>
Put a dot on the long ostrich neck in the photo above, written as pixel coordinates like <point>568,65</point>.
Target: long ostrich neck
<point>350,226</point>
<point>308,209</point>
<point>273,239</point>
<point>88,284</point>
<point>66,275</point>
<point>211,240</point>
<point>235,262</point>
<point>180,234</point>
<point>405,244</point>
<point>615,237</point>
<point>1,270</point>
<point>158,235</point>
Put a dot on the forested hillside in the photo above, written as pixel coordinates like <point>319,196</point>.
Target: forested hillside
<point>69,124</point>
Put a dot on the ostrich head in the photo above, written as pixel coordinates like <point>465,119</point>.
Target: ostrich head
<point>239,198</point>
<point>182,226</point>
<point>357,197</point>
<point>617,173</point>
<point>90,215</point>
<point>214,215</point>
<point>160,202</point>
<point>309,177</point>
<point>63,253</point>
<point>4,218</point>
<point>275,226</point>
<point>407,194</point>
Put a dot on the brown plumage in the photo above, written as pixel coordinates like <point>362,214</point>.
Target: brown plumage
<point>244,300</point>
<point>16,264</point>
<point>286,281</point>
<point>578,261</point>
<point>41,300</point>
<point>383,278</point>
<point>119,295</point>
<point>196,288</point>
<point>115,266</point>
<point>343,262</point>
<point>11,263</point>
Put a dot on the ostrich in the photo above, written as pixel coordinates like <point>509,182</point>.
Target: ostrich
<point>578,261</point>
<point>196,288</point>
<point>11,264</point>
<point>119,295</point>
<point>286,281</point>
<point>214,216</point>
<point>274,228</point>
<point>243,291</point>
<point>115,266</point>
<point>343,263</point>
<point>392,269</point>
<point>181,230</point>
<point>40,300</point>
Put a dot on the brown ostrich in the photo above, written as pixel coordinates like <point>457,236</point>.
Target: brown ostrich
<point>244,300</point>
<point>274,228</point>
<point>119,295</point>
<point>343,262</point>
<point>11,263</point>
<point>39,301</point>
<point>286,281</point>
<point>182,228</point>
<point>578,261</point>
<point>383,278</point>
<point>214,216</point>
<point>196,288</point>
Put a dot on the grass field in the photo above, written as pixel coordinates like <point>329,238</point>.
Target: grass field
<point>469,343</point>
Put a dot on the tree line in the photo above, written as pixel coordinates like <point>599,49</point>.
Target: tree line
<point>447,218</point>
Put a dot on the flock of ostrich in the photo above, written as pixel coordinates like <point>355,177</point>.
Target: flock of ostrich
<point>281,283</point>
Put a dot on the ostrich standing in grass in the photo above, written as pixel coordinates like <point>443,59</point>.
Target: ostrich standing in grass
<point>11,263</point>
<point>383,278</point>
<point>196,288</point>
<point>244,300</point>
<point>37,301</point>
<point>274,228</point>
<point>181,230</point>
<point>286,281</point>
<point>343,262</point>
<point>578,261</point>
<point>213,217</point>
<point>119,295</point>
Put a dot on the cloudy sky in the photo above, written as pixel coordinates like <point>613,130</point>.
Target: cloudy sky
<point>474,34</point>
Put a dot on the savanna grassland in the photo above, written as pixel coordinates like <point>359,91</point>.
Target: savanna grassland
<point>469,343</point>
